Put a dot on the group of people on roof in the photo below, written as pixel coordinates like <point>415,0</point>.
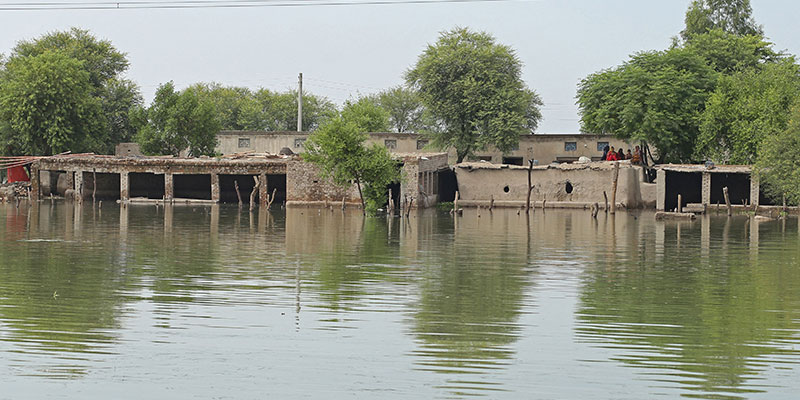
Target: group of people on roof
<point>609,154</point>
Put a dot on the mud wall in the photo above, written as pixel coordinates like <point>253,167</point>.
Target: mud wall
<point>567,185</point>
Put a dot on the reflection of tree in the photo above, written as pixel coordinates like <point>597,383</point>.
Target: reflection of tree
<point>471,293</point>
<point>710,320</point>
<point>60,295</point>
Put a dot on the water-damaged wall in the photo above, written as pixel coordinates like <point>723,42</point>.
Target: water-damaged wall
<point>566,185</point>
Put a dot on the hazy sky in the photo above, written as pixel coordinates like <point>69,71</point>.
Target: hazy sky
<point>351,50</point>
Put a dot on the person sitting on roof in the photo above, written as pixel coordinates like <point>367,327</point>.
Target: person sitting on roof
<point>637,156</point>
<point>612,155</point>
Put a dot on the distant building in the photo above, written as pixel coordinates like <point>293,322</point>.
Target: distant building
<point>544,148</point>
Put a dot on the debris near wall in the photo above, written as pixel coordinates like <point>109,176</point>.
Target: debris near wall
<point>14,190</point>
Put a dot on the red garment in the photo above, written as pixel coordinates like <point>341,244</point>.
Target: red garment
<point>612,156</point>
<point>18,174</point>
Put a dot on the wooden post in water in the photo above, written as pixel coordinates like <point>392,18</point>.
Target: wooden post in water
<point>605,196</point>
<point>238,194</point>
<point>455,203</point>
<point>530,187</point>
<point>390,207</point>
<point>253,194</point>
<point>614,188</point>
<point>343,205</point>
<point>680,200</point>
<point>727,200</point>
<point>491,204</point>
<point>94,185</point>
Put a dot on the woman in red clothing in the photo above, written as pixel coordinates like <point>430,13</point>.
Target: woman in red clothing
<point>612,155</point>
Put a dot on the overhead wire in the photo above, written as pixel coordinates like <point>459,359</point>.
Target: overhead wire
<point>197,4</point>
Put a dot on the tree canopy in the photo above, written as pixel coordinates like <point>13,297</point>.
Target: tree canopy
<point>99,83</point>
<point>406,112</point>
<point>731,16</point>
<point>778,165</point>
<point>366,114</point>
<point>656,97</point>
<point>473,86</point>
<point>176,121</point>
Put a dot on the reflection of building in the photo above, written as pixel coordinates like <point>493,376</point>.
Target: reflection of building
<point>544,148</point>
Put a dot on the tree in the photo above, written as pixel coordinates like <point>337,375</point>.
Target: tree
<point>473,86</point>
<point>778,167</point>
<point>48,104</point>
<point>656,97</point>
<point>176,121</point>
<point>104,66</point>
<point>273,111</point>
<point>406,112</point>
<point>366,114</point>
<point>746,108</point>
<point>728,53</point>
<point>338,149</point>
<point>228,102</point>
<point>731,16</point>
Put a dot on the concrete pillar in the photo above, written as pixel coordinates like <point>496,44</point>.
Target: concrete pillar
<point>36,189</point>
<point>706,188</point>
<point>79,185</point>
<point>169,186</point>
<point>755,190</point>
<point>262,189</point>
<point>215,187</point>
<point>124,189</point>
<point>661,189</point>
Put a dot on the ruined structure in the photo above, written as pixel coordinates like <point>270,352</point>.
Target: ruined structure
<point>557,185</point>
<point>701,185</point>
<point>214,180</point>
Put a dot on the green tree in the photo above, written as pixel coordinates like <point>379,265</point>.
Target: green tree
<point>745,108</point>
<point>104,66</point>
<point>229,102</point>
<point>274,111</point>
<point>473,86</point>
<point>176,121</point>
<point>366,114</point>
<point>656,97</point>
<point>338,149</point>
<point>48,106</point>
<point>406,112</point>
<point>778,166</point>
<point>728,53</point>
<point>731,16</point>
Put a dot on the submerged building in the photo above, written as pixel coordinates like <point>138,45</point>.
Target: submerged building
<point>215,180</point>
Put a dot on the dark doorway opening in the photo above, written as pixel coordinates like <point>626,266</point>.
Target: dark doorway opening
<point>146,184</point>
<point>512,160</point>
<point>395,188</point>
<point>277,183</point>
<point>227,188</point>
<point>448,185</point>
<point>687,184</point>
<point>54,182</point>
<point>738,188</point>
<point>765,199</point>
<point>107,185</point>
<point>192,186</point>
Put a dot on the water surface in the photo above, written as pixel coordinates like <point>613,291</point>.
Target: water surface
<point>216,302</point>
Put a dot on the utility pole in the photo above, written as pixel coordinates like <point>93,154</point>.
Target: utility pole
<point>300,102</point>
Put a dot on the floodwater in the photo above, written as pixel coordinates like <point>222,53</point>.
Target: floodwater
<point>206,302</point>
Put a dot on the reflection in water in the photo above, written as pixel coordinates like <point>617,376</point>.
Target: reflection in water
<point>501,305</point>
<point>714,310</point>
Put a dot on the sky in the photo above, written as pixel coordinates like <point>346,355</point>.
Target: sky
<point>348,51</point>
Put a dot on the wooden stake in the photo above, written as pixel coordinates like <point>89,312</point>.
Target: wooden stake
<point>270,199</point>
<point>254,193</point>
<point>727,200</point>
<point>614,188</point>
<point>343,197</point>
<point>491,204</point>
<point>530,187</point>
<point>94,185</point>
<point>680,209</point>
<point>390,206</point>
<point>455,202</point>
<point>605,196</point>
<point>238,194</point>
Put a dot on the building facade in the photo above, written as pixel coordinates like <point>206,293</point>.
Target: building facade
<point>544,148</point>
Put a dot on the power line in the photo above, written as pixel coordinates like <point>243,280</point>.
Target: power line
<point>195,4</point>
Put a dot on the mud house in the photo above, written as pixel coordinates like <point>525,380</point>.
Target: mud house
<point>544,148</point>
<point>703,185</point>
